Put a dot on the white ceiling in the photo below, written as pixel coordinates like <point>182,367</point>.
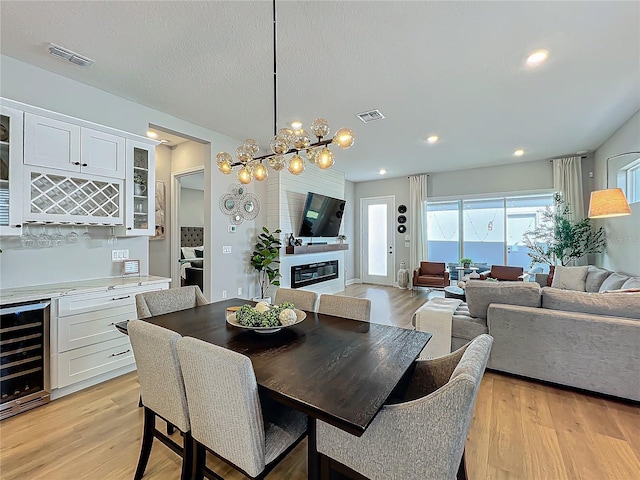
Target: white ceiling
<point>454,69</point>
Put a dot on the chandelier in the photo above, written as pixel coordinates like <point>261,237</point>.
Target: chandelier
<point>287,144</point>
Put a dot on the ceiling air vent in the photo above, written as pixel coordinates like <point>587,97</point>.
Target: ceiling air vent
<point>370,116</point>
<point>73,57</point>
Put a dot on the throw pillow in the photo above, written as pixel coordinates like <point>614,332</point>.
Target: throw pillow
<point>199,251</point>
<point>595,277</point>
<point>570,278</point>
<point>631,284</point>
<point>613,282</point>
<point>188,252</point>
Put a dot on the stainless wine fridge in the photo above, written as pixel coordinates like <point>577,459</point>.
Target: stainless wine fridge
<point>24,357</point>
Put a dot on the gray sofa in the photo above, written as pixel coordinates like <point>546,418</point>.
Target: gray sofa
<point>587,340</point>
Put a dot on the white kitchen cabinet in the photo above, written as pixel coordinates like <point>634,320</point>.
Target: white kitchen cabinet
<point>85,344</point>
<point>11,153</point>
<point>53,143</point>
<point>140,189</point>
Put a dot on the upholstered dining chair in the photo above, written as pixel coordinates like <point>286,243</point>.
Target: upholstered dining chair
<point>346,307</point>
<point>424,435</point>
<point>302,299</point>
<point>149,304</point>
<point>161,390</point>
<point>228,417</point>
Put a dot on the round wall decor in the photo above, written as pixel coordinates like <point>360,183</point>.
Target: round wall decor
<point>402,209</point>
<point>402,219</point>
<point>402,229</point>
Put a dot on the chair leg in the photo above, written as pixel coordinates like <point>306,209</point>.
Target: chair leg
<point>187,457</point>
<point>147,442</point>
<point>170,429</point>
<point>462,469</point>
<point>200,458</point>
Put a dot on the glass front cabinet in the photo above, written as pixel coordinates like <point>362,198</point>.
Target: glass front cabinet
<point>140,189</point>
<point>11,149</point>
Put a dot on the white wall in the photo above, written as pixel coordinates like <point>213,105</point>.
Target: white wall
<point>349,226</point>
<point>191,208</point>
<point>160,250</point>
<point>623,233</point>
<point>28,84</point>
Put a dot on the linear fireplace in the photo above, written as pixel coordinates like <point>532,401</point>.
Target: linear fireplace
<point>303,275</point>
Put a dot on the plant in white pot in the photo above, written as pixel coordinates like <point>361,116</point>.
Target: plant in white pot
<point>266,260</point>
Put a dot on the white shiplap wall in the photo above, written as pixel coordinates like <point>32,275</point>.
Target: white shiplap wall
<point>286,195</point>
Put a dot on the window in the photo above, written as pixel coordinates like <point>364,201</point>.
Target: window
<point>629,181</point>
<point>488,230</point>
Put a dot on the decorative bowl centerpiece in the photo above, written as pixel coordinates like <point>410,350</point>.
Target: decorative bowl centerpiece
<point>266,318</point>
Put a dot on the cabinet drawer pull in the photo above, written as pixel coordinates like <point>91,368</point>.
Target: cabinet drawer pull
<point>121,353</point>
<point>85,164</point>
<point>76,163</point>
<point>121,298</point>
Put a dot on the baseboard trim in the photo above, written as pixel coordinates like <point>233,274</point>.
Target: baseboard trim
<point>351,281</point>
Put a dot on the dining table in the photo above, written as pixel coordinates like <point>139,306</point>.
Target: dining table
<point>333,369</point>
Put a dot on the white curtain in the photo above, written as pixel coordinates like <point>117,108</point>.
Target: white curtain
<point>567,179</point>
<point>418,219</point>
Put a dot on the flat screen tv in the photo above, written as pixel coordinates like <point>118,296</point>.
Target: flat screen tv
<point>322,216</point>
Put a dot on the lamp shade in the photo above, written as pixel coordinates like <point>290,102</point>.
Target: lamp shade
<point>608,203</point>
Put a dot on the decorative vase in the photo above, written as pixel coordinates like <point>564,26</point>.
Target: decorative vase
<point>403,276</point>
<point>139,189</point>
<point>291,241</point>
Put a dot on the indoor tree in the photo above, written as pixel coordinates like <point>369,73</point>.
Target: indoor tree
<point>266,259</point>
<point>559,240</point>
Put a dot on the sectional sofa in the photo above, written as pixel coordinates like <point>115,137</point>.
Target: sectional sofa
<point>584,339</point>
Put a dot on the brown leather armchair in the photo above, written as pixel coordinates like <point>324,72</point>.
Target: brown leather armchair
<point>431,274</point>
<point>504,273</point>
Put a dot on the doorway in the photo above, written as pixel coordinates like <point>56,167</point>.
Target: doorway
<point>378,240</point>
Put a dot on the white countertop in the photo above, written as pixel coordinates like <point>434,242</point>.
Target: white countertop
<point>55,290</point>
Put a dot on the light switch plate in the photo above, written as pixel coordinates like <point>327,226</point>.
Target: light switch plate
<point>226,249</point>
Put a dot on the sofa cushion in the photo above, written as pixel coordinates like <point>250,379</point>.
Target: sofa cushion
<point>632,283</point>
<point>463,325</point>
<point>612,304</point>
<point>480,294</point>
<point>613,282</point>
<point>595,277</point>
<point>570,278</point>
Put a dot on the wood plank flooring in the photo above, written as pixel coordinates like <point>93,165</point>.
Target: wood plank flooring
<point>521,429</point>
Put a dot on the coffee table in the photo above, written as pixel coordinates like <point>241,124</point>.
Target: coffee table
<point>453,291</point>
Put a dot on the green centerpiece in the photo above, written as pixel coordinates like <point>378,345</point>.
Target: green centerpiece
<point>265,315</point>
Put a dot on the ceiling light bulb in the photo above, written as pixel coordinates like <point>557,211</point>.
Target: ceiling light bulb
<point>296,125</point>
<point>277,162</point>
<point>432,139</point>
<point>537,57</point>
<point>519,153</point>
<point>223,160</point>
<point>296,165</point>
<point>344,138</point>
<point>260,172</point>
<point>325,159</point>
<point>152,134</point>
<point>382,171</point>
<point>244,175</point>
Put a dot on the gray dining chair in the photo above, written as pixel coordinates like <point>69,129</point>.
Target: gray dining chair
<point>346,307</point>
<point>424,435</point>
<point>149,304</point>
<point>302,299</point>
<point>161,391</point>
<point>228,417</point>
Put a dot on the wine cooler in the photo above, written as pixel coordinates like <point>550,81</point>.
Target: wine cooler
<point>24,357</point>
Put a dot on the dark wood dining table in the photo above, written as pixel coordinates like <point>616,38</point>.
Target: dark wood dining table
<point>333,369</point>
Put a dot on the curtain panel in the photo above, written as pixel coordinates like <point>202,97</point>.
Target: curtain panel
<point>418,219</point>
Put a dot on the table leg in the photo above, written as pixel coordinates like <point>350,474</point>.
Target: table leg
<point>313,459</point>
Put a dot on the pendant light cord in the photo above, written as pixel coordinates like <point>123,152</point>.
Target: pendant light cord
<point>275,74</point>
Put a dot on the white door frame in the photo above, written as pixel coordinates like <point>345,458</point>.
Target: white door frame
<point>392,246</point>
<point>175,224</point>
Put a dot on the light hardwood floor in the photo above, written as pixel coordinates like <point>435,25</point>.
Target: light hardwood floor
<point>521,429</point>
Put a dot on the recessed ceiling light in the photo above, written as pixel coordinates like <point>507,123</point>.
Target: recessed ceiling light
<point>296,125</point>
<point>537,57</point>
<point>432,139</point>
<point>152,134</point>
<point>382,171</point>
<point>519,152</point>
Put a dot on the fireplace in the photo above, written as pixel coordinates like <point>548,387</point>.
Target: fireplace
<point>304,275</point>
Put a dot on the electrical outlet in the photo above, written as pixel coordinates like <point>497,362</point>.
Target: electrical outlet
<point>239,290</point>
<point>224,294</point>
<point>407,238</point>
<point>226,249</point>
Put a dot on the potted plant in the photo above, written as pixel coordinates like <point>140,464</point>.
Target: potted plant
<point>466,262</point>
<point>266,260</point>
<point>559,240</point>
